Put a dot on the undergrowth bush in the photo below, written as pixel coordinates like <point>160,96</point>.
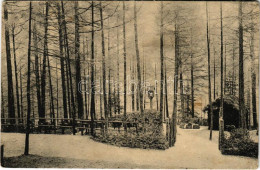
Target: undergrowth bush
<point>142,140</point>
<point>148,135</point>
<point>239,143</point>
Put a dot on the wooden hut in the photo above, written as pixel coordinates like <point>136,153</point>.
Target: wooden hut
<point>230,112</point>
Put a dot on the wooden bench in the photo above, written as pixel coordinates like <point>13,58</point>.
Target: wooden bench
<point>81,129</point>
<point>47,128</point>
<point>63,127</point>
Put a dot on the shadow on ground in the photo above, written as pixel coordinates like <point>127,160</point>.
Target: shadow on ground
<point>35,161</point>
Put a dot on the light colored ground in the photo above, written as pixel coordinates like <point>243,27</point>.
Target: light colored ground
<point>192,150</point>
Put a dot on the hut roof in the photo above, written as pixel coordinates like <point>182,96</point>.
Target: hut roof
<point>228,100</point>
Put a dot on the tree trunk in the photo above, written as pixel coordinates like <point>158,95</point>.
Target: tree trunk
<point>26,150</point>
<point>188,102</point>
<point>233,72</point>
<point>209,75</point>
<point>61,45</point>
<point>78,69</point>
<point>156,93</point>
<point>124,42</point>
<point>68,85</point>
<point>192,86</point>
<point>57,94</point>
<point>21,92</point>
<point>69,68</point>
<point>11,108</point>
<point>37,74</point>
<point>225,70</point>
<point>241,71</point>
<point>139,91</point>
<point>214,75</point>
<point>118,88</point>
<point>16,75</point>
<point>248,113</point>
<point>2,102</point>
<point>51,93</point>
<point>100,96</point>
<point>85,83</point>
<point>103,66</point>
<point>162,63</point>
<point>114,95</point>
<point>221,120</point>
<point>255,123</point>
<point>95,75</point>
<point>32,101</point>
<point>192,76</point>
<point>166,93</point>
<point>144,81</point>
<point>173,129</point>
<point>87,86</point>
<point>132,87</point>
<point>181,89</point>
<point>137,95</point>
<point>109,74</point>
<point>253,81</point>
<point>92,107</point>
<point>45,54</point>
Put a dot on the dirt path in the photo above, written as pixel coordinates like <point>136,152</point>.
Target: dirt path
<point>192,150</point>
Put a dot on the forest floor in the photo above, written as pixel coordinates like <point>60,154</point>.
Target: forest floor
<point>192,150</point>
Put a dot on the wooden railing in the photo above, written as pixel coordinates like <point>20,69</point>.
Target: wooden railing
<point>53,124</point>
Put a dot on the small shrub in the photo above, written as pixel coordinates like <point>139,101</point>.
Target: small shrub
<point>239,143</point>
<point>196,126</point>
<point>239,133</point>
<point>182,125</point>
<point>230,127</point>
<point>189,126</point>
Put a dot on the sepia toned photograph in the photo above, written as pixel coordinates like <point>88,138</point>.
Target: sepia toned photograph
<point>130,84</point>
